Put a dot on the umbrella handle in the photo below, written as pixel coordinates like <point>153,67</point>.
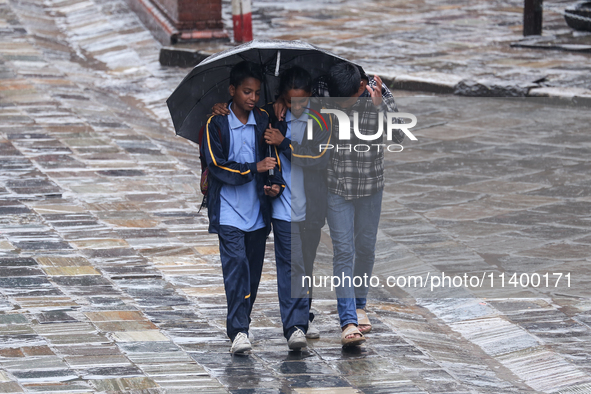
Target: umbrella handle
<point>278,63</point>
<point>272,170</point>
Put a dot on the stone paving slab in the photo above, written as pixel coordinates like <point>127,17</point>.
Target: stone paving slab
<point>109,281</point>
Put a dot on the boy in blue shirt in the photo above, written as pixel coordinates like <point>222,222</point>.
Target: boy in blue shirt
<point>238,203</point>
<point>298,214</point>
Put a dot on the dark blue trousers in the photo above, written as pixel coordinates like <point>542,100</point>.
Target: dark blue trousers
<point>293,296</point>
<point>242,255</point>
<point>310,233</point>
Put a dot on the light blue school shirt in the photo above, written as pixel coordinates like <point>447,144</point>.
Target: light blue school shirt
<point>240,206</point>
<point>291,205</point>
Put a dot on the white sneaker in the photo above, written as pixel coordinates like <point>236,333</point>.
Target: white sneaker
<point>297,340</point>
<point>241,344</point>
<point>313,331</point>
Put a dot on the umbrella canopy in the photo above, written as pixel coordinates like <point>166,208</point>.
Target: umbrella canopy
<point>208,82</point>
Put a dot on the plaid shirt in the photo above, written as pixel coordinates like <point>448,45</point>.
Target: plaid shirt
<point>354,174</point>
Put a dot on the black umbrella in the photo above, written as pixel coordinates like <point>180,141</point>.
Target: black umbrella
<point>207,83</point>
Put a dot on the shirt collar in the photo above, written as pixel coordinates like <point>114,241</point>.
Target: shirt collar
<point>303,117</point>
<point>236,124</point>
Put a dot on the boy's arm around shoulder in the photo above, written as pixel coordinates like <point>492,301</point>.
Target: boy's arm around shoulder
<point>226,171</point>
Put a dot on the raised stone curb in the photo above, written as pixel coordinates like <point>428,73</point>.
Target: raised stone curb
<point>493,88</point>
<point>576,96</point>
<point>181,57</point>
<point>560,92</point>
<point>424,82</point>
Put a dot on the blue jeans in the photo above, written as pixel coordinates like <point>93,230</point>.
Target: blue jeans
<point>353,229</point>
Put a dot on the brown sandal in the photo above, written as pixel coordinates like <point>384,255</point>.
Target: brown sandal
<point>363,321</point>
<point>355,341</point>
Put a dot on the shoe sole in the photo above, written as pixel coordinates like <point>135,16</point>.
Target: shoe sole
<point>355,342</point>
<point>297,345</point>
<point>312,336</point>
<point>240,352</point>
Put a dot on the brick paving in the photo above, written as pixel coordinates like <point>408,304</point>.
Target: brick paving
<point>109,281</point>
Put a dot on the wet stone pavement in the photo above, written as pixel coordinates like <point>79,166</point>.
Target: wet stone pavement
<point>461,45</point>
<point>109,281</point>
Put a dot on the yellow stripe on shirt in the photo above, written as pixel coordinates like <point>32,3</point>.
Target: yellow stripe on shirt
<point>213,157</point>
<point>313,157</point>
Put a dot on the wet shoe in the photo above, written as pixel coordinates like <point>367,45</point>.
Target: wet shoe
<point>297,340</point>
<point>313,331</point>
<point>241,344</point>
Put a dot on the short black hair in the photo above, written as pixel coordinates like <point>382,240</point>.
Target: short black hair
<point>244,70</point>
<point>344,80</point>
<point>295,78</point>
<point>362,73</point>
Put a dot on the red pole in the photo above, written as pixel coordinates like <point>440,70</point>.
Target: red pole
<point>242,20</point>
